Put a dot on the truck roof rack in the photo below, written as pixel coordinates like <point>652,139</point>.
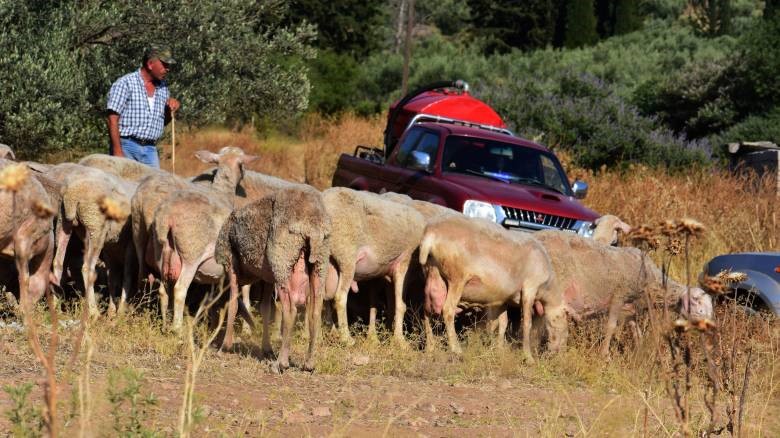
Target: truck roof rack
<point>422,117</point>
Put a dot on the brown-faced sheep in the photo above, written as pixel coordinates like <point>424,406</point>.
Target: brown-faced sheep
<point>594,279</point>
<point>281,239</point>
<point>83,190</point>
<point>26,230</point>
<point>478,262</point>
<point>371,237</point>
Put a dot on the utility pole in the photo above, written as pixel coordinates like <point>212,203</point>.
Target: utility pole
<point>408,48</point>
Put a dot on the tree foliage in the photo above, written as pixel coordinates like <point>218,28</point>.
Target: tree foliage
<point>58,60</point>
<point>580,24</point>
<point>343,26</point>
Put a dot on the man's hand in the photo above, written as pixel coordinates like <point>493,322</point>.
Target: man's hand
<point>173,104</point>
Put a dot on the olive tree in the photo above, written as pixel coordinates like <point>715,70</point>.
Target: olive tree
<point>235,59</point>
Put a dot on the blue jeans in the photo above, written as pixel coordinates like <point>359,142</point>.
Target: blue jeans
<point>138,152</point>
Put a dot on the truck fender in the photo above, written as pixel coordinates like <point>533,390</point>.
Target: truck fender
<point>764,286</point>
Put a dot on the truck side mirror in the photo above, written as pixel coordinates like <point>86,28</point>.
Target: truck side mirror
<point>580,189</point>
<point>419,161</point>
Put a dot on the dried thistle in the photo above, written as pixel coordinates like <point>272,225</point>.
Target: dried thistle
<point>13,177</point>
<point>713,285</point>
<point>674,246</point>
<point>704,325</point>
<point>729,277</point>
<point>42,210</point>
<point>690,227</point>
<point>682,325</point>
<point>112,209</point>
<point>644,236</point>
<point>668,228</point>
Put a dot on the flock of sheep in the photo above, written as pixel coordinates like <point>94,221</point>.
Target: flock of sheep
<point>280,240</point>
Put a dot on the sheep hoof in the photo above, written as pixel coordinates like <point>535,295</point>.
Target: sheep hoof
<point>267,353</point>
<point>372,338</point>
<point>401,343</point>
<point>278,368</point>
<point>347,340</point>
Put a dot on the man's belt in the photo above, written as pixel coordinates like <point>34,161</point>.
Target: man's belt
<point>140,141</point>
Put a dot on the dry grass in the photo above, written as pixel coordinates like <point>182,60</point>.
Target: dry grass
<point>575,393</point>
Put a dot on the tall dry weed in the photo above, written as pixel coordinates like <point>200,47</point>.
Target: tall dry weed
<point>309,158</point>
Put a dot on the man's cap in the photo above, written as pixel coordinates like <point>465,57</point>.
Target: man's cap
<point>159,52</point>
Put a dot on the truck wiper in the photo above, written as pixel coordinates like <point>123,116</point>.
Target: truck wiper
<point>493,177</point>
<point>536,182</point>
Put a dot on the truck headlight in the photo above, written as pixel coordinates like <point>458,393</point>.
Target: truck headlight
<point>584,228</point>
<point>479,209</point>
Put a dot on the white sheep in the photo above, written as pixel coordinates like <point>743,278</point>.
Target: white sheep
<point>371,237</point>
<point>26,229</point>
<point>186,225</point>
<point>83,190</point>
<point>595,279</point>
<point>479,262</point>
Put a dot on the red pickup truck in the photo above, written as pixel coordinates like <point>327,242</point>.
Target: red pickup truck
<point>444,146</point>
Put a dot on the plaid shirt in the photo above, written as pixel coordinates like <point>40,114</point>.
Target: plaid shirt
<point>128,99</point>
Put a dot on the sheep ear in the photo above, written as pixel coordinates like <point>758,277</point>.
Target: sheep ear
<point>207,156</point>
<point>246,159</point>
<point>623,227</point>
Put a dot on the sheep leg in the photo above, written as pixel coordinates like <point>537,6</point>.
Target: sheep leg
<point>245,325</point>
<point>498,320</point>
<point>345,281</point>
<point>615,307</point>
<point>528,297</point>
<point>127,279</point>
<point>289,313</point>
<point>22,252</point>
<point>399,275</point>
<point>267,305</point>
<point>232,305</point>
<point>41,268</point>
<point>371,333</point>
<point>430,340</point>
<point>557,327</point>
<point>188,271</point>
<point>314,317</point>
<point>63,233</point>
<point>94,244</point>
<point>448,314</point>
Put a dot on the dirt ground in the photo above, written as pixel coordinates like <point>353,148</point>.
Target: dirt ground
<point>357,391</point>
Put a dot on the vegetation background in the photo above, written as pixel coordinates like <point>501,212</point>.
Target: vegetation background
<point>639,97</point>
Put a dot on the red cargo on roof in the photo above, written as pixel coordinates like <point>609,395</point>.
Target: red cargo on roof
<point>460,106</point>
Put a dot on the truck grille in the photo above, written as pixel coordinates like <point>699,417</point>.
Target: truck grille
<point>517,217</point>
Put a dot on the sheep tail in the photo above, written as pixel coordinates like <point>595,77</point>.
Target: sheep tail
<point>425,247</point>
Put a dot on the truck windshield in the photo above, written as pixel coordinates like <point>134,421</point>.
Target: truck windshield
<point>505,162</point>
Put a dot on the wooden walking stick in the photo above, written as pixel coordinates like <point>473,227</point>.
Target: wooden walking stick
<point>173,142</point>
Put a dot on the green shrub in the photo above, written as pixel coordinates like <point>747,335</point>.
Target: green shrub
<point>582,114</point>
<point>761,127</point>
<point>128,406</point>
<point>26,420</point>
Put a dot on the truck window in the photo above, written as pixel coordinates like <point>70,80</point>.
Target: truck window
<point>503,161</point>
<point>408,144</point>
<point>552,177</point>
<point>428,143</point>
